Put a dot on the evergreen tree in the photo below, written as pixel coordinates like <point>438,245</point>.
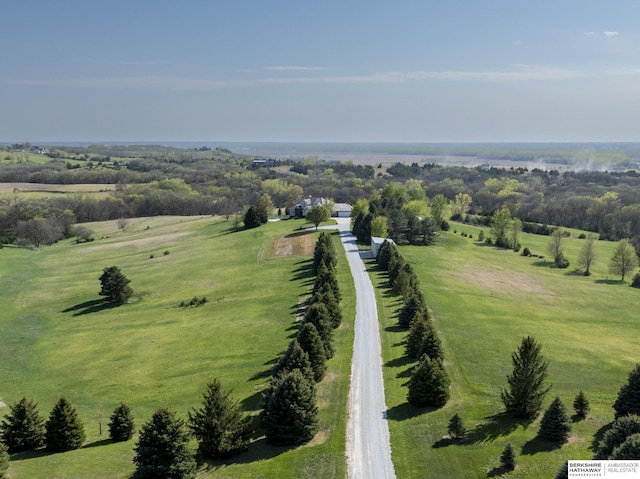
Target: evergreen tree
<point>395,265</point>
<point>294,358</point>
<point>428,385</point>
<point>563,472</point>
<point>251,218</point>
<point>219,425</point>
<point>384,255</point>
<point>331,303</point>
<point>4,461</point>
<point>526,383</point>
<point>311,342</point>
<point>115,286</point>
<point>508,457</point>
<point>456,427</point>
<point>616,435</point>
<point>628,401</point>
<point>121,424</point>
<point>162,450</point>
<point>423,339</point>
<point>291,415</point>
<point>318,315</point>
<point>413,304</point>
<point>581,405</point>
<point>628,450</point>
<point>406,280</point>
<point>324,252</point>
<point>23,428</point>
<point>326,279</point>
<point>64,430</point>
<point>356,228</point>
<point>555,425</point>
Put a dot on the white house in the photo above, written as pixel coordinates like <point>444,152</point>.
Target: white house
<point>376,242</point>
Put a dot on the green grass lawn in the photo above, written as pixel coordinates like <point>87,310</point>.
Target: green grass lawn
<point>55,339</point>
<point>484,301</point>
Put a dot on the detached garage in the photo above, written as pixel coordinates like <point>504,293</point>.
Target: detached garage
<point>376,242</point>
<point>341,210</point>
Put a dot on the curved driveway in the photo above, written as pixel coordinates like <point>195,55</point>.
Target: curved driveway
<point>368,447</point>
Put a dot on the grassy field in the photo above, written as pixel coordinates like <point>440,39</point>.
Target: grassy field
<point>484,301</point>
<point>57,339</point>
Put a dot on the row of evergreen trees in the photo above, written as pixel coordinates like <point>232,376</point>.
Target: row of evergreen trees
<point>290,414</point>
<point>429,382</point>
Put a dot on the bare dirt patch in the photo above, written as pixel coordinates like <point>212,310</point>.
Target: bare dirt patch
<point>504,281</point>
<point>291,246</point>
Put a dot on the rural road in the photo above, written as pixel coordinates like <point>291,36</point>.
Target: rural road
<point>368,446</point>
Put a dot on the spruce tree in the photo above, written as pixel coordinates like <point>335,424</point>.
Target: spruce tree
<point>428,385</point>
<point>413,303</point>
<point>628,450</point>
<point>395,265</point>
<point>527,381</point>
<point>563,472</point>
<point>508,457</point>
<point>324,252</point>
<point>423,339</point>
<point>311,342</point>
<point>64,430</point>
<point>616,435</point>
<point>456,427</point>
<point>331,303</point>
<point>121,424</point>
<point>555,425</point>
<point>162,450</point>
<point>581,405</point>
<point>294,358</point>
<point>628,401</point>
<point>4,461</point>
<point>384,255</point>
<point>115,286</point>
<point>23,428</point>
<point>251,218</point>
<point>291,414</point>
<point>326,279</point>
<point>318,315</point>
<point>219,425</point>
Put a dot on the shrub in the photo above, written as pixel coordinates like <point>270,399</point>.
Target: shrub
<point>581,405</point>
<point>526,252</point>
<point>622,428</point>
<point>629,449</point>
<point>481,236</point>
<point>561,261</point>
<point>456,427</point>
<point>635,283</point>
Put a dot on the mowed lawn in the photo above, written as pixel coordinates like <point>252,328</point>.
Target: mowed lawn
<point>484,300</point>
<point>56,339</point>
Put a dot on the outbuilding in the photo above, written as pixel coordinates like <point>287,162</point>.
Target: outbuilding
<point>376,242</point>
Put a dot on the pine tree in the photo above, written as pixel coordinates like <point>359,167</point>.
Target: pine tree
<point>428,385</point>
<point>526,383</point>
<point>64,430</point>
<point>162,450</point>
<point>311,342</point>
<point>396,263</point>
<point>294,358</point>
<point>318,315</point>
<point>555,425</point>
<point>324,252</point>
<point>331,303</point>
<point>23,428</point>
<point>4,461</point>
<point>326,279</point>
<point>581,405</point>
<point>251,218</point>
<point>115,285</point>
<point>384,255</point>
<point>628,401</point>
<point>291,414</point>
<point>563,472</point>
<point>121,424</point>
<point>413,303</point>
<point>616,435</point>
<point>456,427</point>
<point>423,339</point>
<point>628,450</point>
<point>508,457</point>
<point>219,425</point>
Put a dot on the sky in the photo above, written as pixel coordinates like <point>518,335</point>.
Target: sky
<point>322,71</point>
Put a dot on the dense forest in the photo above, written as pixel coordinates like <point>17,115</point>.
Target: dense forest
<point>159,180</point>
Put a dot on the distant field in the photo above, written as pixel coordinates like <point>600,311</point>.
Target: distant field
<point>56,340</point>
<point>10,187</point>
<point>484,301</point>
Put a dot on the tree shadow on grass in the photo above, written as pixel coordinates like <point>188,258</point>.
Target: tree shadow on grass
<point>495,426</point>
<point>88,307</point>
<point>101,442</point>
<point>609,281</point>
<point>300,233</point>
<point>597,437</point>
<point>538,444</point>
<point>303,272</point>
<point>398,362</point>
<point>497,471</point>
<point>447,441</point>
<point>406,411</point>
<point>259,450</point>
<point>22,456</point>
<point>252,403</point>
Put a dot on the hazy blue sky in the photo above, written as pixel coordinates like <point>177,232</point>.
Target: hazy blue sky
<point>275,70</point>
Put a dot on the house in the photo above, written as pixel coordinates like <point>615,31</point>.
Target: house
<point>341,210</point>
<point>302,207</point>
<point>267,163</point>
<point>376,242</point>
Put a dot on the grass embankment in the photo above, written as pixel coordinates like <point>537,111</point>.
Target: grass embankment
<point>57,339</point>
<point>484,301</point>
